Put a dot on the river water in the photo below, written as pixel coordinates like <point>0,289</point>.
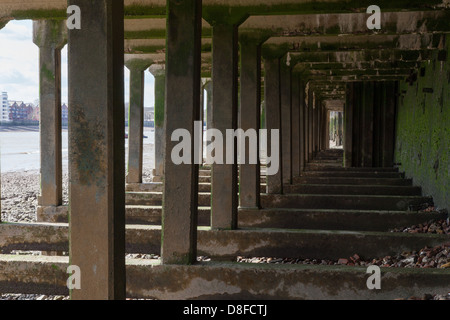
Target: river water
<point>20,150</point>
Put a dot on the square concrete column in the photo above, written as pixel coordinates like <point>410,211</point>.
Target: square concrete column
<point>348,125</point>
<point>302,126</point>
<point>224,186</point>
<point>159,72</point>
<point>340,128</point>
<point>286,120</point>
<point>97,150</point>
<point>209,113</point>
<point>180,203</point>
<point>295,124</point>
<point>273,119</point>
<point>367,124</point>
<point>202,118</point>
<point>389,122</point>
<point>311,109</point>
<point>250,119</point>
<point>136,119</point>
<point>50,36</point>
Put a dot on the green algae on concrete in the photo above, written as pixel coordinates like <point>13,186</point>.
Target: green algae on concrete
<point>423,130</point>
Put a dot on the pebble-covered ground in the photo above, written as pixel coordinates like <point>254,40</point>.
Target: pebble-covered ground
<point>20,191</point>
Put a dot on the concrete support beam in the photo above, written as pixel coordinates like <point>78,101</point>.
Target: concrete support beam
<point>180,209</point>
<point>159,73</point>
<point>96,141</point>
<point>302,126</point>
<point>367,123</point>
<point>50,36</point>
<point>295,124</point>
<point>136,119</point>
<point>273,119</point>
<point>390,110</point>
<point>286,121</point>
<point>209,112</point>
<point>224,201</point>
<point>310,124</point>
<point>250,119</point>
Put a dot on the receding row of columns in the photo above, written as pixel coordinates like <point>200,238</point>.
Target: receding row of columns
<point>370,123</point>
<point>96,133</point>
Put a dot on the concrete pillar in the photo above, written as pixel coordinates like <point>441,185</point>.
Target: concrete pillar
<point>356,124</point>
<point>286,121</point>
<point>224,186</point>
<point>273,119</point>
<point>50,36</point>
<point>389,123</point>
<point>348,125</point>
<point>180,203</point>
<point>367,124</point>
<point>136,119</point>
<point>311,109</point>
<point>97,150</point>
<point>250,119</point>
<point>340,128</point>
<point>159,72</point>
<point>202,116</point>
<point>302,126</point>
<point>209,111</point>
<point>295,124</point>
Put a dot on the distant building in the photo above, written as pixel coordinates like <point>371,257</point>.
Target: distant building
<point>20,111</point>
<point>4,108</point>
<point>64,114</point>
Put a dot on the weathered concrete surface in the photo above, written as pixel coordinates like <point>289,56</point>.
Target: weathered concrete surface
<point>136,119</point>
<point>159,73</point>
<point>211,281</point>
<point>273,119</point>
<point>353,181</point>
<point>422,141</point>
<point>50,36</point>
<point>156,198</point>
<point>97,149</point>
<point>315,219</point>
<point>355,190</point>
<point>286,120</point>
<point>224,200</point>
<point>181,111</point>
<point>349,202</point>
<point>228,244</point>
<point>250,119</point>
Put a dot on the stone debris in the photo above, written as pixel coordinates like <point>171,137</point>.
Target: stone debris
<point>432,226</point>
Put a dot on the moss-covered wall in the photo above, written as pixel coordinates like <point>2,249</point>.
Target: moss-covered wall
<point>423,129</point>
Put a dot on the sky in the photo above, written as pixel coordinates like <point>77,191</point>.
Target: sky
<point>19,66</point>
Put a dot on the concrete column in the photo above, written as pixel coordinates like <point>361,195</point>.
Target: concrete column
<point>97,150</point>
<point>286,121</point>
<point>273,119</point>
<point>358,88</point>
<point>302,126</point>
<point>295,124</point>
<point>180,204</point>
<point>340,128</point>
<point>367,124</point>
<point>225,100</point>
<point>159,72</point>
<point>250,119</point>
<point>50,36</point>
<point>202,116</point>
<point>389,123</point>
<point>136,119</point>
<point>311,109</point>
<point>209,109</point>
<point>348,125</point>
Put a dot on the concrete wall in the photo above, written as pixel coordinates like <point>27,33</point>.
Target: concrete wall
<point>423,128</point>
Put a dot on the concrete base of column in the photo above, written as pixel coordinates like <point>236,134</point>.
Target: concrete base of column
<point>52,214</point>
